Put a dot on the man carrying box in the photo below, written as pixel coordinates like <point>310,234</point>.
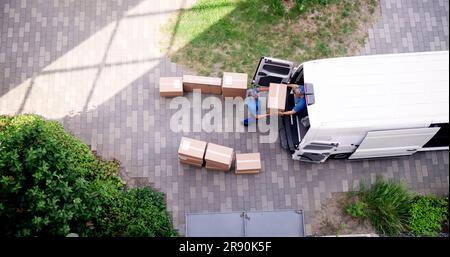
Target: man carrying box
<point>300,102</point>
<point>254,105</point>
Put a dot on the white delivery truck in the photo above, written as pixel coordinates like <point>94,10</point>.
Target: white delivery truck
<point>364,106</point>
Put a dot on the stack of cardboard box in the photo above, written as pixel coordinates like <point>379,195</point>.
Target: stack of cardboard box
<point>192,152</point>
<point>196,152</point>
<point>170,86</point>
<point>277,97</point>
<point>209,85</point>
<point>248,163</point>
<point>234,84</point>
<point>218,157</point>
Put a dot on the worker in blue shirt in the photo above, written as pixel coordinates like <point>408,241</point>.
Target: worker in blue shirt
<point>254,105</point>
<point>299,97</point>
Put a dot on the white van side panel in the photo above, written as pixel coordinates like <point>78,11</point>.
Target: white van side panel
<point>383,88</point>
<point>350,135</point>
<point>439,148</point>
<point>393,142</point>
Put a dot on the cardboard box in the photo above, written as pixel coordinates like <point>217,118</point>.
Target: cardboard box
<point>218,157</point>
<point>192,148</point>
<point>221,167</point>
<point>217,166</point>
<point>192,151</point>
<point>248,163</point>
<point>191,163</point>
<point>210,85</point>
<point>170,86</point>
<point>234,84</point>
<point>213,167</point>
<point>277,97</point>
<point>190,160</point>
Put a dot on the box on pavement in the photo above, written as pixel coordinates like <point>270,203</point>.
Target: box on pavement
<point>211,85</point>
<point>234,84</point>
<point>192,151</point>
<point>170,86</point>
<point>277,97</point>
<point>190,161</point>
<point>218,157</point>
<point>248,163</point>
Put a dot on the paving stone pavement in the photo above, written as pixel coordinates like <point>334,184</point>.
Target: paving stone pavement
<point>409,26</point>
<point>95,65</point>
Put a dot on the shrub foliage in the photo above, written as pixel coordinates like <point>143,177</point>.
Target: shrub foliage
<point>428,213</point>
<point>357,209</point>
<point>392,210</point>
<point>52,184</point>
<point>387,206</point>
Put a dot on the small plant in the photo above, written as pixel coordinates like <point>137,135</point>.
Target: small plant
<point>357,209</point>
<point>385,204</point>
<point>428,213</point>
<point>340,228</point>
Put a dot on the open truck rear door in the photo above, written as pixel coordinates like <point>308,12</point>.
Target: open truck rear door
<point>315,152</point>
<point>272,70</point>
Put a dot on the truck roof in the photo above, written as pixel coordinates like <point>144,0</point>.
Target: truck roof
<point>379,89</point>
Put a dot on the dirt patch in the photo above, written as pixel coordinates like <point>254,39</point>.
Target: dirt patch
<point>332,218</point>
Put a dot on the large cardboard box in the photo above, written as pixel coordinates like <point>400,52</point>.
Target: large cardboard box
<point>209,166</point>
<point>217,166</point>
<point>187,159</point>
<point>192,151</point>
<point>218,157</point>
<point>210,85</point>
<point>248,163</point>
<point>277,97</point>
<point>192,148</point>
<point>234,84</point>
<point>170,86</point>
<point>198,165</point>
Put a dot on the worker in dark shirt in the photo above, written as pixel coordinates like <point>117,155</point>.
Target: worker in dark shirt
<point>300,102</point>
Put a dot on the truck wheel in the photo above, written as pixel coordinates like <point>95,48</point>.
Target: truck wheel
<point>340,156</point>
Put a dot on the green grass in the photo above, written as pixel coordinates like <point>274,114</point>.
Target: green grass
<point>231,35</point>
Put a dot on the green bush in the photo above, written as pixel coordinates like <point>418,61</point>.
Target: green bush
<point>138,212</point>
<point>43,189</point>
<point>52,184</point>
<point>388,205</point>
<point>357,209</point>
<point>428,213</point>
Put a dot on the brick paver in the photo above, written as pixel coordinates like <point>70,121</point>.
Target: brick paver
<point>95,66</point>
<point>409,26</point>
